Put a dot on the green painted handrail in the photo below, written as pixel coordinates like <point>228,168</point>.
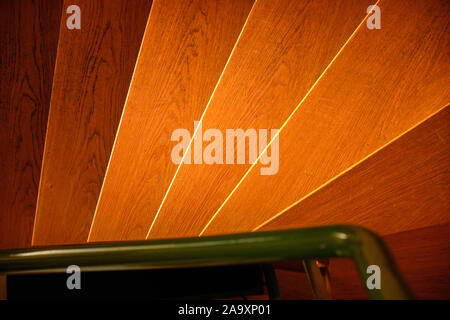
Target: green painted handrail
<point>359,244</point>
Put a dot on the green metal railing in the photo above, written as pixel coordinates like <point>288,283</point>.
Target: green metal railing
<point>359,244</point>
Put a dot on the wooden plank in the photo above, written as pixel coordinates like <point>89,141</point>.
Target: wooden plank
<point>384,82</point>
<point>403,186</point>
<point>92,75</point>
<point>28,42</point>
<point>422,256</point>
<point>284,48</point>
<point>3,295</point>
<point>293,285</point>
<point>184,51</point>
<point>345,281</point>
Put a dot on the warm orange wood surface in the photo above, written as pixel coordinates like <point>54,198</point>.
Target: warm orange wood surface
<point>92,76</point>
<point>422,256</point>
<point>185,48</point>
<point>284,48</point>
<point>403,186</point>
<point>293,285</point>
<point>384,82</point>
<point>28,42</point>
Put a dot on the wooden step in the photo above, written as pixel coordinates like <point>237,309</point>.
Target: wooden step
<point>403,186</point>
<point>284,48</point>
<point>185,49</point>
<point>383,83</point>
<point>28,42</point>
<point>92,76</point>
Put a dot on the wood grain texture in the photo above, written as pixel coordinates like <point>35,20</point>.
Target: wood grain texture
<point>293,285</point>
<point>185,48</point>
<point>383,83</point>
<point>92,75</point>
<point>422,256</point>
<point>28,42</point>
<point>403,186</point>
<point>284,48</point>
<point>345,281</point>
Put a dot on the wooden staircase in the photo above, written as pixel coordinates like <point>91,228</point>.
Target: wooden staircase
<point>87,118</point>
